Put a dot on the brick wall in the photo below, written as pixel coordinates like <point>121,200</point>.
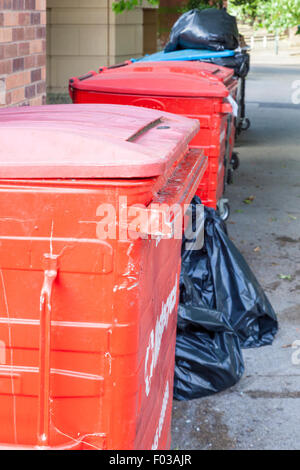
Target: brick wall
<point>22,52</point>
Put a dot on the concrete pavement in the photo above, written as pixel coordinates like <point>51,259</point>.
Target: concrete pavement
<point>263,410</point>
<point>288,56</point>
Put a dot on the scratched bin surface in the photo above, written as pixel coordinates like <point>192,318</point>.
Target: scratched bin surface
<point>194,89</point>
<point>88,323</point>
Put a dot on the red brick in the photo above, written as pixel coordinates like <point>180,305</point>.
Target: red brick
<point>43,18</point>
<point>7,4</point>
<point>5,67</point>
<point>41,88</point>
<point>24,19</point>
<point>18,34</point>
<point>40,60</point>
<point>36,46</point>
<point>41,32</point>
<point>18,80</point>
<point>17,95</point>
<point>18,64</point>
<point>36,75</point>
<point>23,48</point>
<point>5,35</point>
<point>10,50</point>
<point>10,18</point>
<point>30,91</point>
<point>18,4</point>
<point>29,62</point>
<point>40,5</point>
<point>30,4</point>
<point>35,18</point>
<point>29,33</point>
<point>8,98</point>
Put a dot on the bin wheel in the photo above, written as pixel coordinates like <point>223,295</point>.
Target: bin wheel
<point>238,130</point>
<point>230,176</point>
<point>224,210</point>
<point>235,161</point>
<point>245,124</point>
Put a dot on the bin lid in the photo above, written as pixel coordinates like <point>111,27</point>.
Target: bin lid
<point>182,79</point>
<point>185,54</point>
<point>90,141</point>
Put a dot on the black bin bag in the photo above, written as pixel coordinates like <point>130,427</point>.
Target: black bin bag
<point>224,281</point>
<point>206,29</point>
<point>222,308</point>
<point>240,63</point>
<point>208,357</point>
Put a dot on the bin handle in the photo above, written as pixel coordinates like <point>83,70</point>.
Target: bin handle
<point>50,274</point>
<point>115,66</point>
<point>73,80</point>
<point>156,220</point>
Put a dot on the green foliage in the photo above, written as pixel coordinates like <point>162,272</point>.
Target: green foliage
<point>275,15</point>
<point>202,4</point>
<point>278,15</point>
<point>122,5</point>
<point>245,10</point>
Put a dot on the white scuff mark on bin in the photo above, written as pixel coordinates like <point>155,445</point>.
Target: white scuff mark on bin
<point>11,356</point>
<point>108,355</point>
<point>129,283</point>
<point>120,286</point>
<point>14,219</point>
<point>51,238</point>
<point>161,417</point>
<point>129,250</point>
<point>79,441</point>
<point>87,221</point>
<point>133,286</point>
<point>2,353</point>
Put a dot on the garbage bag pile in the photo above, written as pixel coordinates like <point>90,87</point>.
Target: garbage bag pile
<point>211,29</point>
<point>222,309</point>
<point>240,63</point>
<point>206,29</point>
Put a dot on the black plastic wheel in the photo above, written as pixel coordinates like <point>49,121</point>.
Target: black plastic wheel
<point>246,124</point>
<point>229,176</point>
<point>235,161</point>
<point>225,212</point>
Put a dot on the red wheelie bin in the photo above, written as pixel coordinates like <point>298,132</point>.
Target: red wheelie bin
<point>88,295</point>
<point>194,89</point>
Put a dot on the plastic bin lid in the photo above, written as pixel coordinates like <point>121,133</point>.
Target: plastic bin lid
<point>185,54</point>
<point>90,141</point>
<point>180,79</point>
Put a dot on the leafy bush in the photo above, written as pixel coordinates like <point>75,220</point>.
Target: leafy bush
<point>122,5</point>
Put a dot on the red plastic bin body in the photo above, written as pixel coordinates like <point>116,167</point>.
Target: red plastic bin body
<point>88,325</point>
<point>193,89</point>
